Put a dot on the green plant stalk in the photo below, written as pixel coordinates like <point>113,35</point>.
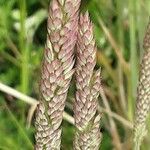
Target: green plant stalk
<point>120,24</point>
<point>112,41</point>
<point>120,7</point>
<point>114,45</point>
<point>24,48</point>
<point>129,96</point>
<point>133,55</point>
<point>24,78</point>
<point>140,21</point>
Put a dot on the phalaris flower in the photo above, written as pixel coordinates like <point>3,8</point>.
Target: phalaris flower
<point>56,72</point>
<point>87,136</point>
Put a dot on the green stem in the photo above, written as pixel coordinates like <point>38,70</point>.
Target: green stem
<point>23,47</point>
<point>133,56</point>
<point>129,96</point>
<point>120,29</point>
<point>140,21</point>
<point>24,54</point>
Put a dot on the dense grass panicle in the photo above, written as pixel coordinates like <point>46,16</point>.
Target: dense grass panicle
<point>88,84</point>
<point>57,71</point>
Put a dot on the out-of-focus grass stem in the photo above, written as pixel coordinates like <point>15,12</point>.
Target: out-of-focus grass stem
<point>133,54</point>
<point>23,47</point>
<point>24,76</point>
<point>120,9</point>
<point>114,131</point>
<point>114,45</point>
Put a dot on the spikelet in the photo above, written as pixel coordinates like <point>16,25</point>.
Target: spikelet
<point>57,71</point>
<point>143,94</point>
<point>87,136</point>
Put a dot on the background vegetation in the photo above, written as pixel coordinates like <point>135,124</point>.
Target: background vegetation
<point>119,30</point>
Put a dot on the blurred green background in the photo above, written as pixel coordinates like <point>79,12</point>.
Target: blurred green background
<point>119,27</point>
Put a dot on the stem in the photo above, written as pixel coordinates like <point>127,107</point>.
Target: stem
<point>129,96</point>
<point>6,89</point>
<point>24,54</point>
<point>114,45</point>
<point>114,131</point>
<point>120,8</point>
<point>23,47</point>
<point>133,57</point>
<point>140,21</point>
